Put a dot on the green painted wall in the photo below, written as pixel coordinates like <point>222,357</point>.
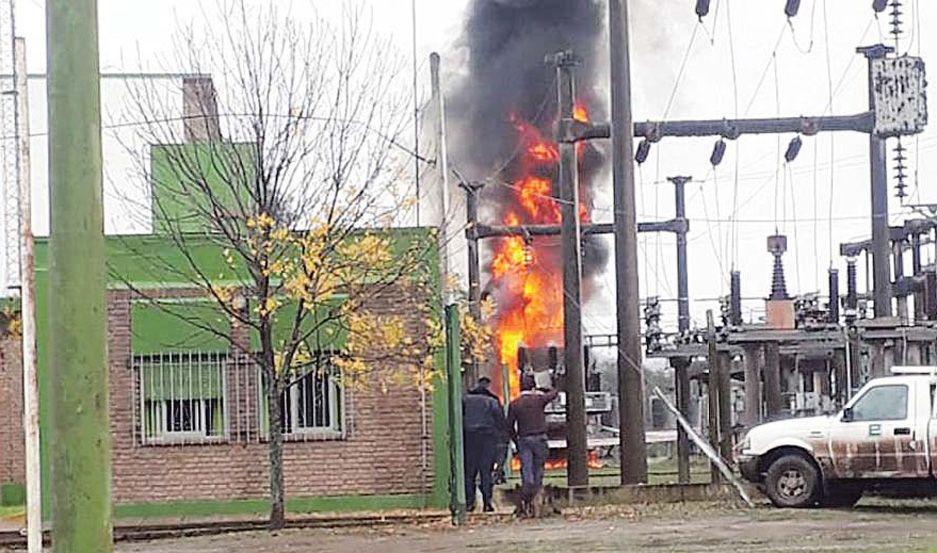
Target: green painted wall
<point>180,174</point>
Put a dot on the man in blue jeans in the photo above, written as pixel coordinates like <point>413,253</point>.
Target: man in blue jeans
<point>528,427</point>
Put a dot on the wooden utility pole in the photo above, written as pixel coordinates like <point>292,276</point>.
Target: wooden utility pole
<point>630,370</point>
<point>577,466</point>
<point>28,311</point>
<point>80,448</point>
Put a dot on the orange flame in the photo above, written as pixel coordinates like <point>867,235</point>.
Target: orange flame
<point>529,276</point>
<point>556,463</point>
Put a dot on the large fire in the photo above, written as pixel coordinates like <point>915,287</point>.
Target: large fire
<point>528,276</point>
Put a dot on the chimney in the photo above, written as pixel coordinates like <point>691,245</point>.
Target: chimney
<point>779,308</point>
<point>200,109</point>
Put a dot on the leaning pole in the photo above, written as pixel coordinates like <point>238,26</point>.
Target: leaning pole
<point>80,444</point>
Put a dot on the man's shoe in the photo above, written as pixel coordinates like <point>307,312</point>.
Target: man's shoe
<point>469,508</point>
<point>488,509</point>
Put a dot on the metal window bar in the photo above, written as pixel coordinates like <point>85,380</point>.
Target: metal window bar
<point>179,409</point>
<point>313,403</point>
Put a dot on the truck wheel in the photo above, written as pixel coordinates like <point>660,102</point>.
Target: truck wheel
<point>792,481</point>
<point>841,496</point>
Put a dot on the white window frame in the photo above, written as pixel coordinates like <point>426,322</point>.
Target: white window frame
<point>296,402</point>
<point>158,432</point>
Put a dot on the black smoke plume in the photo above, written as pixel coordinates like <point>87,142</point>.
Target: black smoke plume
<point>507,42</point>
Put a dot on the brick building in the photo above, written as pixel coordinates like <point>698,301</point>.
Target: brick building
<point>188,422</point>
<point>12,454</point>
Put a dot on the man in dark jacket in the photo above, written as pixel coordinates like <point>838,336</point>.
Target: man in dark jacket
<point>528,427</point>
<point>484,430</point>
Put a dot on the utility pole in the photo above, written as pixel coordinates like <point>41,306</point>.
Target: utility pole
<point>569,132</point>
<point>712,388</point>
<point>28,311</point>
<point>682,391</point>
<point>683,278</point>
<point>80,448</point>
<point>454,381</point>
<point>630,370</point>
<point>442,157</point>
<point>472,189</point>
<point>577,467</point>
<point>881,272</point>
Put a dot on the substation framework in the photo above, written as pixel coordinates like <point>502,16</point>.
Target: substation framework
<point>768,357</point>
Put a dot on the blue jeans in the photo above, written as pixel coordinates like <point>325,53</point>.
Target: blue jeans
<point>533,451</point>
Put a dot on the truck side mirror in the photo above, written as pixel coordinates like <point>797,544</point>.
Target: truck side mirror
<point>847,414</point>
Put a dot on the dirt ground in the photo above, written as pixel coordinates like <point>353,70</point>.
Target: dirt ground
<point>874,526</point>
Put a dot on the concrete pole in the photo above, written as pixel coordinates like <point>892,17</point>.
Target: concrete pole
<point>683,278</point>
<point>682,388</point>
<point>725,405</point>
<point>753,362</point>
<point>80,440</point>
<point>442,157</point>
<point>630,370</point>
<point>474,264</point>
<point>879,176</point>
<point>454,383</point>
<point>902,300</point>
<point>577,467</point>
<point>916,270</point>
<point>774,405</point>
<point>712,387</point>
<point>735,298</point>
<point>833,311</point>
<point>28,312</point>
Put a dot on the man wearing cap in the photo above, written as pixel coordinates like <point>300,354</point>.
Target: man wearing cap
<point>528,427</point>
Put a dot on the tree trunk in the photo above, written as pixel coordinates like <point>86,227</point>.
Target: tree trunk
<point>275,415</point>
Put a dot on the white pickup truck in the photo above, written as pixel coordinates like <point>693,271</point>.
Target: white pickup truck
<point>885,438</point>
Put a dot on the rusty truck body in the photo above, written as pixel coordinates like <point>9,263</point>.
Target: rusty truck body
<point>885,438</point>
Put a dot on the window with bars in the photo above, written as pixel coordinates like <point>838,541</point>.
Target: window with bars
<point>181,397</point>
<point>311,404</point>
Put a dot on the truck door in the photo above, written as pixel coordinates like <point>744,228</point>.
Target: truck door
<point>878,435</point>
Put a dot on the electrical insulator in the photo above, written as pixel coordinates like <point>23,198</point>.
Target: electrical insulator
<point>644,148</point>
<point>900,168</point>
<point>725,308</point>
<point>879,5</point>
<point>792,7</point>
<point>528,254</point>
<point>702,8</point>
<point>652,331</point>
<point>719,150</point>
<point>793,149</point>
<point>896,20</point>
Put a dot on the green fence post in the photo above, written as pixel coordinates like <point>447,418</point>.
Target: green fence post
<point>454,380</point>
<point>80,439</point>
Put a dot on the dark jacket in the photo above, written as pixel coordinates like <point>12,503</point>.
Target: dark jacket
<point>482,415</point>
<point>525,413</point>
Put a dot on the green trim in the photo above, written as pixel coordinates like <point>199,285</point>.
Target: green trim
<point>298,505</point>
<point>12,493</point>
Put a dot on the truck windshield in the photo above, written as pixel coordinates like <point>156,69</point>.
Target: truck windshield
<point>882,403</point>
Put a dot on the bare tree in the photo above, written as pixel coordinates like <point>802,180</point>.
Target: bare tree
<point>290,175</point>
